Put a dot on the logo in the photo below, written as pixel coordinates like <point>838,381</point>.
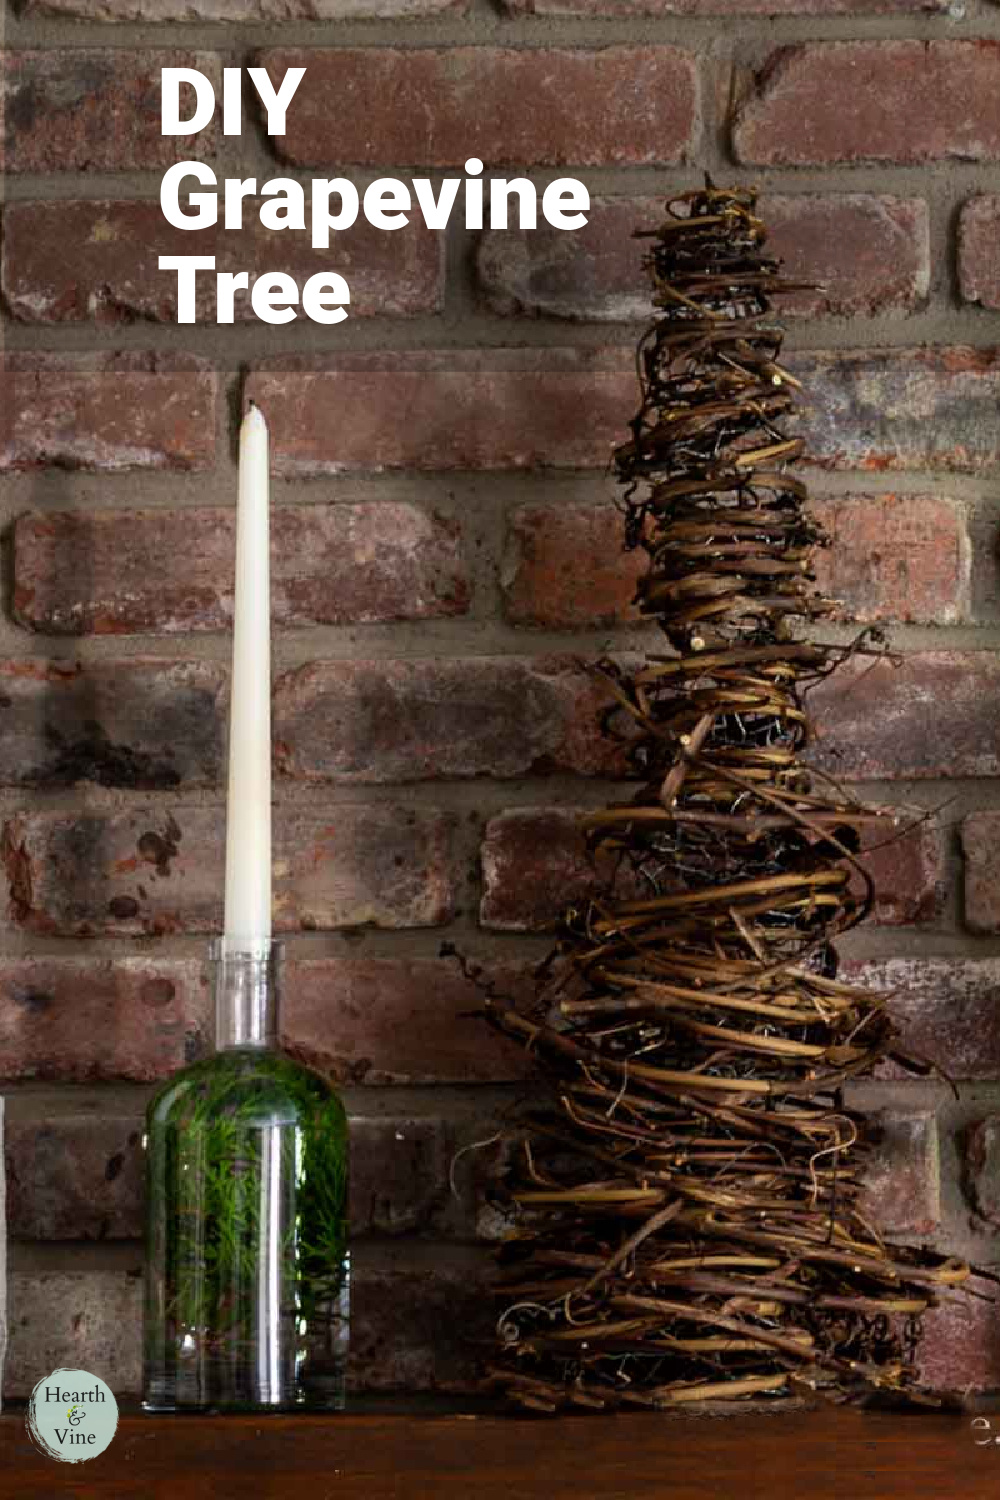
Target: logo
<point>983,1425</point>
<point>72,1416</point>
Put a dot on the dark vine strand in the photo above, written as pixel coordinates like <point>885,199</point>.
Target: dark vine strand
<point>691,1220</point>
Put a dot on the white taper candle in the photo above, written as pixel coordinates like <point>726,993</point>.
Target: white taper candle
<point>248,821</point>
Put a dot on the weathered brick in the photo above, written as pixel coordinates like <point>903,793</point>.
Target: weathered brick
<point>734,8</point>
<point>927,408</point>
<point>248,10</point>
<point>142,724</point>
<point>628,105</point>
<point>114,411</point>
<point>410,720</point>
<point>455,409</point>
<point>371,1021</point>
<point>413,1328</point>
<point>982,1167</point>
<point>908,871</point>
<point>535,864</point>
<point>381,1021</point>
<point>81,1019</point>
<point>399,1173</point>
<point>960,1349</point>
<point>79,1176</point>
<point>902,1180</point>
<point>979,251</point>
<point>565,567</point>
<point>421,1329</point>
<point>158,870</point>
<point>981,885</point>
<point>75,1177</point>
<point>946,1010</point>
<point>592,273</point>
<point>94,110</point>
<point>925,715</point>
<point>68,262</point>
<point>909,102</point>
<point>894,557</point>
<point>930,714</point>
<point>3,1251</point>
<point>870,253</point>
<point>86,1320</point>
<point>330,565</point>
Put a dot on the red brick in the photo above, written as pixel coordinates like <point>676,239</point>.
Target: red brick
<point>142,724</point>
<point>946,1010</point>
<point>895,101</point>
<point>94,110</point>
<point>925,715</point>
<point>373,721</point>
<point>595,272</point>
<point>74,1177</point>
<point>76,1020</point>
<point>981,884</point>
<point>870,253</point>
<point>421,1329</point>
<point>903,1177</point>
<point>982,1167</point>
<point>960,1350</point>
<point>930,714</point>
<point>903,1191</point>
<point>69,262</point>
<point>715,8</point>
<point>413,1327</point>
<point>380,1020</point>
<point>113,411</point>
<point>153,871</point>
<point>78,1175</point>
<point>894,557</point>
<point>88,1320</point>
<point>617,105</point>
<point>908,871</point>
<point>535,864</point>
<point>399,1173</point>
<point>925,409</point>
<point>455,409</point>
<point>565,567</point>
<point>928,408</point>
<point>979,251</point>
<point>244,10</point>
<point>330,565</point>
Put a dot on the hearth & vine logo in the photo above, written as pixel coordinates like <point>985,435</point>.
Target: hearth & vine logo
<point>72,1416</point>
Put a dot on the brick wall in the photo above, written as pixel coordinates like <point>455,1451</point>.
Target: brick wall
<point>445,556</point>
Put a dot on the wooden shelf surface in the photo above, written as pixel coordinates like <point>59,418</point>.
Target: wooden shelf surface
<point>824,1454</point>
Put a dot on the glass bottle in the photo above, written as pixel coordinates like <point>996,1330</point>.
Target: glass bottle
<point>247,1265</point>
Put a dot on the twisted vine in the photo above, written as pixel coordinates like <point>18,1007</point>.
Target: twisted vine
<point>690,1211</point>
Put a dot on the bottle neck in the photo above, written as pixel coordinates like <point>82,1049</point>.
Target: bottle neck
<point>246,984</point>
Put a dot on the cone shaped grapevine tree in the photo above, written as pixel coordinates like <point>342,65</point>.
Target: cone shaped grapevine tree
<point>690,1220</point>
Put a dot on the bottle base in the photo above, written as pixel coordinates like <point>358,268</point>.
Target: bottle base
<point>242,1408</point>
<point>165,1405</point>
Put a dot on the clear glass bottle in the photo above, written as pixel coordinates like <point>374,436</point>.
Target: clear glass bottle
<point>247,1263</point>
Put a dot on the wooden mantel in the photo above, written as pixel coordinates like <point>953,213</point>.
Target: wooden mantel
<point>825,1454</point>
